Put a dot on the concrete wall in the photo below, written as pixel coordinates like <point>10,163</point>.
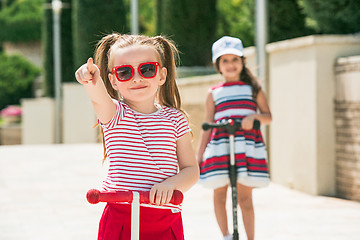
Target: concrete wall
<point>38,121</point>
<point>79,116</point>
<point>77,120</point>
<point>301,95</point>
<point>31,50</point>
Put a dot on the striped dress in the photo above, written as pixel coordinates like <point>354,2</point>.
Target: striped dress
<point>142,148</point>
<point>234,100</point>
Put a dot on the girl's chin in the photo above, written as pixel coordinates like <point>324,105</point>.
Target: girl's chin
<point>233,75</point>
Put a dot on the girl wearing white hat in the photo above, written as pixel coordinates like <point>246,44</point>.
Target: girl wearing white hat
<point>239,96</point>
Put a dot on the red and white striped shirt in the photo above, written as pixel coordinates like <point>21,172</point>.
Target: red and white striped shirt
<point>142,147</point>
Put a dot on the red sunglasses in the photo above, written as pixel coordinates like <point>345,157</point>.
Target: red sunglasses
<point>126,72</point>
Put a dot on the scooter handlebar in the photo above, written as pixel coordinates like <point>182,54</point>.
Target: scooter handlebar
<point>95,196</point>
<point>206,126</point>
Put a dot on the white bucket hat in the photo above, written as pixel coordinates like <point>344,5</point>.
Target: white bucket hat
<point>227,45</point>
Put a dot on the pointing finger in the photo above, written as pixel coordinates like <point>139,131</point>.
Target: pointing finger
<point>91,66</point>
<point>90,61</point>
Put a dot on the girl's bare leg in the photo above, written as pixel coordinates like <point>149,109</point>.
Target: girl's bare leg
<point>247,209</point>
<point>220,209</point>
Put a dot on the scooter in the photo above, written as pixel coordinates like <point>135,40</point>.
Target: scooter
<point>231,125</point>
<point>135,198</point>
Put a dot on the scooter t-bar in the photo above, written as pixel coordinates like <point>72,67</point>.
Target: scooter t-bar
<point>95,196</point>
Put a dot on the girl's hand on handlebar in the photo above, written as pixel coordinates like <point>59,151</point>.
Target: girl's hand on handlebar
<point>161,193</point>
<point>247,122</point>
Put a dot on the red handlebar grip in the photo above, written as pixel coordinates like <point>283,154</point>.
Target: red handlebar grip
<point>176,198</point>
<point>95,196</point>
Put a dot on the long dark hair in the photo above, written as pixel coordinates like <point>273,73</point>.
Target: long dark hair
<point>245,76</point>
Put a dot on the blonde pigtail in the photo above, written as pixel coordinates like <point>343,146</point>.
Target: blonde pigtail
<point>101,57</point>
<point>169,93</point>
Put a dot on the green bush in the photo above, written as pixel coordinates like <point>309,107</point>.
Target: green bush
<point>21,21</point>
<point>16,77</point>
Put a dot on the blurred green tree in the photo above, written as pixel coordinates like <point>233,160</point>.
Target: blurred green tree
<point>333,16</point>
<point>236,18</point>
<point>147,16</point>
<point>92,19</point>
<point>6,3</point>
<point>192,25</point>
<point>21,21</point>
<point>286,20</point>
<point>67,68</point>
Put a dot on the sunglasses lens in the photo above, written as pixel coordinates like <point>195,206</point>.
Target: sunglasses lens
<point>148,70</point>
<point>124,73</point>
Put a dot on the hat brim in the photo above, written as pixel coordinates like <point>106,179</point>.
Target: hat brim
<point>227,51</point>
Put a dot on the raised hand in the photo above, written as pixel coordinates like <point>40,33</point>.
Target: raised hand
<point>88,73</point>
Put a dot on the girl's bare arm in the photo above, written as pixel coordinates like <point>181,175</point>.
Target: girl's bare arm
<point>264,116</point>
<point>89,75</point>
<point>205,135</point>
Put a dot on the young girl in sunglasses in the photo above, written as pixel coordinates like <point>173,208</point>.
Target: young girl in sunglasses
<point>238,97</point>
<point>147,138</point>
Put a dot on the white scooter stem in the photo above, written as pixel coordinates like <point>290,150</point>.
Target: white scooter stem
<point>135,216</point>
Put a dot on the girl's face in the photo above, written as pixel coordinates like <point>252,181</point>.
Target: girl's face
<point>138,91</point>
<point>230,66</point>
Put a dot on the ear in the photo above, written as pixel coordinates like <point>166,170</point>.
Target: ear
<point>113,81</point>
<point>163,74</point>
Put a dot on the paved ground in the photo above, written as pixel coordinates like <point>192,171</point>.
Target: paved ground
<point>43,187</point>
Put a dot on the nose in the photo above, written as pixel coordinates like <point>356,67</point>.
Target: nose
<point>137,76</point>
<point>232,63</point>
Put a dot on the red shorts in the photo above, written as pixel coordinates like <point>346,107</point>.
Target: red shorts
<point>155,224</point>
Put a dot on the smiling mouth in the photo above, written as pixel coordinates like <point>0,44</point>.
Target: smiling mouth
<point>138,87</point>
